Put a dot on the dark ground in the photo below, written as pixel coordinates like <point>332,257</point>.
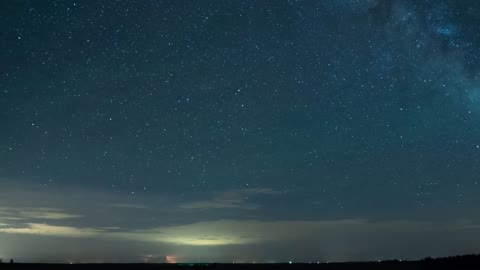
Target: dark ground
<point>458,263</point>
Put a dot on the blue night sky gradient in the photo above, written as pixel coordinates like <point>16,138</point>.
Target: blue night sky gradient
<point>239,130</point>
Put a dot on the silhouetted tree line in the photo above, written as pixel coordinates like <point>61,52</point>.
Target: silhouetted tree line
<point>470,258</point>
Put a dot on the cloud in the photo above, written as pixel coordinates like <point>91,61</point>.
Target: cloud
<point>234,198</point>
<point>15,213</point>
<point>214,204</point>
<point>48,215</point>
<point>111,228</point>
<point>257,191</point>
<point>50,230</point>
<point>347,239</point>
<point>341,232</point>
<point>235,232</point>
<point>127,205</point>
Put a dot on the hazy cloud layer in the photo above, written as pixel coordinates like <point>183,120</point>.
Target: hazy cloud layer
<point>50,230</point>
<point>15,213</point>
<point>237,198</point>
<point>186,232</point>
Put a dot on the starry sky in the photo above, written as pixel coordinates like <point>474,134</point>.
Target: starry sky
<point>266,131</point>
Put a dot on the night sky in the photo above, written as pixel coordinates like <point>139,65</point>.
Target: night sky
<point>266,131</point>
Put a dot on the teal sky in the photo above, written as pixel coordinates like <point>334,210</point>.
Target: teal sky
<point>264,131</point>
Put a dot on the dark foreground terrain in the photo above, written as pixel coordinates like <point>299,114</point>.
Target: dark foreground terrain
<point>458,263</point>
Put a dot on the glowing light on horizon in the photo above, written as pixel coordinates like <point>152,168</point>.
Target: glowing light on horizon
<point>171,259</point>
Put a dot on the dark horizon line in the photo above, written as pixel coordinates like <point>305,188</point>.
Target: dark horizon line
<point>475,256</point>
